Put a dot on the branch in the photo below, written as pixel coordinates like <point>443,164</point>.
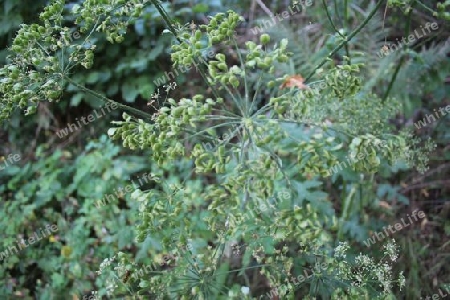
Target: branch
<point>402,59</point>
<point>342,44</point>
<point>105,99</point>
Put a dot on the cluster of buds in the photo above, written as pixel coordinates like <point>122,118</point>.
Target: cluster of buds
<point>222,26</point>
<point>343,81</point>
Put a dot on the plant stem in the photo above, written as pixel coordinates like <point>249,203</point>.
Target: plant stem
<point>424,6</point>
<point>334,26</point>
<point>355,32</point>
<point>236,101</point>
<point>345,212</point>
<point>106,100</point>
<point>168,22</point>
<point>246,101</point>
<point>330,19</point>
<point>166,19</point>
<point>257,90</point>
<point>403,57</point>
<point>347,51</point>
<point>336,10</point>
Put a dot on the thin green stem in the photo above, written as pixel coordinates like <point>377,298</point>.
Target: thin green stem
<point>330,19</point>
<point>220,117</point>
<point>336,9</point>
<point>241,157</point>
<point>69,66</point>
<point>334,26</point>
<point>246,111</point>
<point>212,127</point>
<point>345,12</point>
<point>168,22</point>
<point>338,47</point>
<point>166,19</point>
<point>234,98</point>
<point>246,268</point>
<point>205,78</point>
<point>258,86</point>
<point>347,51</point>
<point>318,125</point>
<point>107,100</point>
<point>403,57</point>
<point>391,83</point>
<point>226,112</point>
<point>265,107</point>
<point>345,212</point>
<point>424,6</point>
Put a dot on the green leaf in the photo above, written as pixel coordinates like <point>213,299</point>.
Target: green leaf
<point>57,280</point>
<point>156,51</point>
<point>125,237</point>
<point>92,77</point>
<point>76,99</point>
<point>129,92</point>
<point>112,89</point>
<point>200,8</point>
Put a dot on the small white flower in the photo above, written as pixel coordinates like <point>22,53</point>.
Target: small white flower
<point>341,249</point>
<point>245,290</point>
<point>391,250</point>
<point>401,280</point>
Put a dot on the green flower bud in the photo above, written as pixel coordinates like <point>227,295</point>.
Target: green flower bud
<point>250,45</point>
<point>198,35</point>
<point>220,57</point>
<point>251,63</point>
<point>283,58</point>
<point>234,81</point>
<point>271,84</point>
<point>191,111</point>
<point>263,65</point>
<point>224,79</point>
<point>223,30</point>
<point>119,39</point>
<point>186,61</point>
<point>222,66</point>
<point>264,39</point>
<point>177,111</point>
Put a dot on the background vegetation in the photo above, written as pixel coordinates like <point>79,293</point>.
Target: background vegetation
<point>59,181</point>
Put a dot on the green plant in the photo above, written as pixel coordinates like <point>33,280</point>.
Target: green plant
<point>264,165</point>
<point>60,189</point>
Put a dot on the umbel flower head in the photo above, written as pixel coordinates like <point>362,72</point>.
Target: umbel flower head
<point>366,271</point>
<point>245,171</point>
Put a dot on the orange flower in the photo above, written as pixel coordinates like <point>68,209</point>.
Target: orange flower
<point>294,80</point>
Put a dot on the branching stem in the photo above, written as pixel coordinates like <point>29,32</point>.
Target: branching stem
<point>342,44</point>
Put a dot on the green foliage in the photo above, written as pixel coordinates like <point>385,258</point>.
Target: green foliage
<point>15,14</point>
<point>62,190</point>
<point>408,4</point>
<point>209,231</point>
<point>258,167</point>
